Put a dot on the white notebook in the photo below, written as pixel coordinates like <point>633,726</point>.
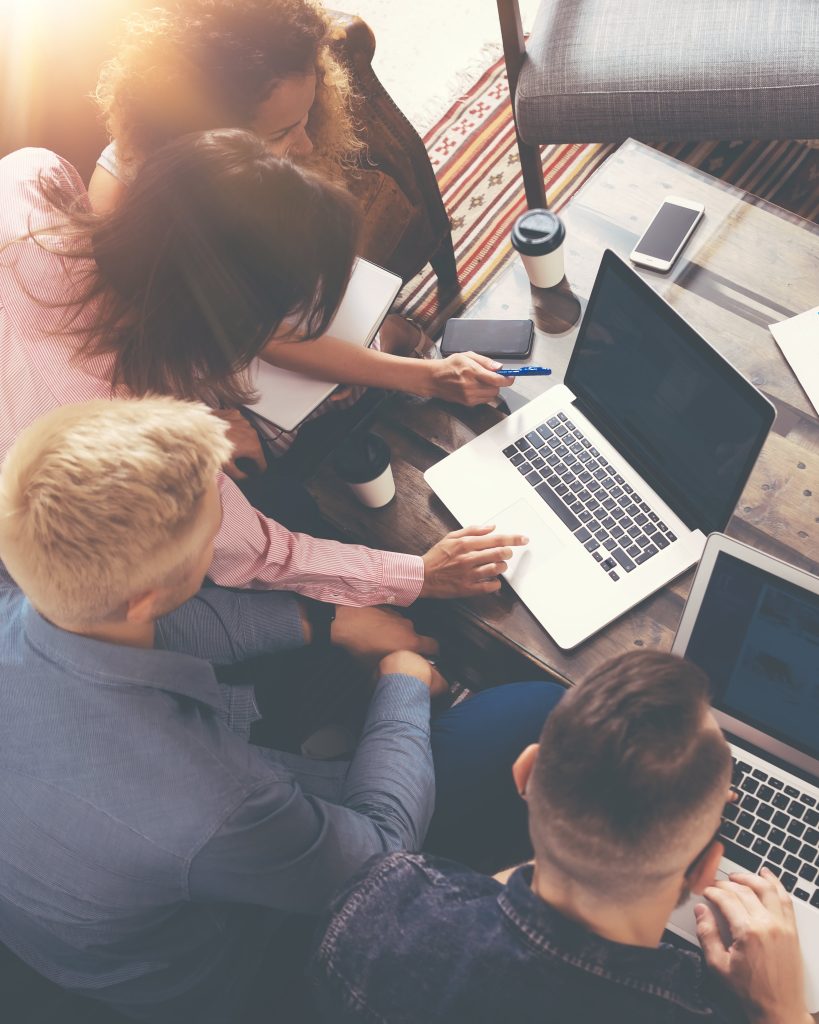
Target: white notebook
<point>799,340</point>
<point>287,398</point>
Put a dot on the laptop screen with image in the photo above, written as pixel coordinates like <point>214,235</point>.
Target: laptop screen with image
<point>757,637</point>
<point>683,417</point>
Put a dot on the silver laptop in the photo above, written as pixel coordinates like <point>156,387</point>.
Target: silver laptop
<point>618,474</point>
<point>752,623</point>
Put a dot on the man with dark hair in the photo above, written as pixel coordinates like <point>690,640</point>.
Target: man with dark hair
<point>625,793</point>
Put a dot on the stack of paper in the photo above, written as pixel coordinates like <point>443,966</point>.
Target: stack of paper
<point>287,398</point>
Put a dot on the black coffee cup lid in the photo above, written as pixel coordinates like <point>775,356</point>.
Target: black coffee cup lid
<point>362,458</point>
<point>538,232</point>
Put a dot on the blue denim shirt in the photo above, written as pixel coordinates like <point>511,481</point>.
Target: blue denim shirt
<point>148,852</point>
<point>420,940</point>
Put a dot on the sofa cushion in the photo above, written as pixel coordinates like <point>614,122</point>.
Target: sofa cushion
<point>600,70</point>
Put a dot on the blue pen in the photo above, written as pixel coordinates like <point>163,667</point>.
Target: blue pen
<point>526,371</point>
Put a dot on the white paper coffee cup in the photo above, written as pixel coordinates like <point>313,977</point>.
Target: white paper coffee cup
<point>538,235</point>
<point>375,493</point>
<point>363,463</point>
<point>545,271</point>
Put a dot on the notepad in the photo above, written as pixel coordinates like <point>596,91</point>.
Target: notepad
<point>286,398</point>
<point>798,338</point>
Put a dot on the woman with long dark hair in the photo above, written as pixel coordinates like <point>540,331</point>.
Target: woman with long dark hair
<point>215,245</point>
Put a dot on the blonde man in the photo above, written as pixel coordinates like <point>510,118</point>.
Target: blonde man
<point>150,855</point>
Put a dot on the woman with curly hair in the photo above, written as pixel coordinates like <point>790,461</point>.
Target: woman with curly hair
<point>265,65</point>
<point>202,64</point>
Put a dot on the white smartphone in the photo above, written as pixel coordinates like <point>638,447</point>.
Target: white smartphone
<point>664,238</point>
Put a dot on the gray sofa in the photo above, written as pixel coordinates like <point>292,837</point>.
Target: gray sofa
<point>604,70</point>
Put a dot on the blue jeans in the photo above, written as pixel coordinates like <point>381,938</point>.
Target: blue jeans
<point>480,818</point>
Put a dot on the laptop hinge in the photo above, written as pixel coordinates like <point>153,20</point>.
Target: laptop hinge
<point>777,762</point>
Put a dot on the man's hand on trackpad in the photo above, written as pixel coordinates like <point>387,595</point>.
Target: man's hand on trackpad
<point>763,963</point>
<point>468,562</point>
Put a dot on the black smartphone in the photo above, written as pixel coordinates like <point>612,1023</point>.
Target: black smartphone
<point>498,339</point>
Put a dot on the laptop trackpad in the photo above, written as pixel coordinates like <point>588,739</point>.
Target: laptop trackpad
<point>522,518</point>
<point>686,924</point>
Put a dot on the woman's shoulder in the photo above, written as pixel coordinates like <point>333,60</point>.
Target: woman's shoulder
<point>109,161</point>
<point>37,164</point>
<point>36,188</point>
<point>34,183</point>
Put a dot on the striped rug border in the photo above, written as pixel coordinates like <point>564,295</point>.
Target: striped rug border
<point>474,155</point>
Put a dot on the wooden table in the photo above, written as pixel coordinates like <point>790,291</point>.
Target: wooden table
<point>748,265</point>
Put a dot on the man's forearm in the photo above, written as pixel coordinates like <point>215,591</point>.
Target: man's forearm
<point>286,847</point>
<point>227,626</point>
<point>391,778</point>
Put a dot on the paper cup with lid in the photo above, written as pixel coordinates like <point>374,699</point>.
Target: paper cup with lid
<point>538,236</point>
<point>363,463</point>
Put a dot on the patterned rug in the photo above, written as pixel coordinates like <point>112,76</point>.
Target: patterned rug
<point>475,157</point>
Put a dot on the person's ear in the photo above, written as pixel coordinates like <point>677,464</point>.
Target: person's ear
<point>522,768</point>
<point>704,870</point>
<point>142,609</point>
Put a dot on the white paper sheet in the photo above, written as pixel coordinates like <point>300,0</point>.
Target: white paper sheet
<point>798,338</point>
<point>285,397</point>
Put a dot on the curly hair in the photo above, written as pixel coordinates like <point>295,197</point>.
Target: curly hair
<point>195,65</point>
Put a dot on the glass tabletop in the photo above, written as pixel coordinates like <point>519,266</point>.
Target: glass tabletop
<point>749,264</point>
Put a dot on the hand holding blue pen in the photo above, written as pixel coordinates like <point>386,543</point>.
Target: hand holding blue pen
<point>526,371</point>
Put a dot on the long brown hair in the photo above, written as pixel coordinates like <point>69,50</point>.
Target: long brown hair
<point>213,248</point>
<point>191,65</point>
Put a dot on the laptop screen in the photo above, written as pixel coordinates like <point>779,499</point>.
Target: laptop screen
<point>682,416</point>
<point>757,637</point>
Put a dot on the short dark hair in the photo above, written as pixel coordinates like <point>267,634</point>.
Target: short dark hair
<point>215,245</point>
<point>625,764</point>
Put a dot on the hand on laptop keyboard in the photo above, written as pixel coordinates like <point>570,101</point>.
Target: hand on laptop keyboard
<point>763,965</point>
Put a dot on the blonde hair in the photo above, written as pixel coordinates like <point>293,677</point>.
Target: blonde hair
<point>96,499</point>
<point>193,65</point>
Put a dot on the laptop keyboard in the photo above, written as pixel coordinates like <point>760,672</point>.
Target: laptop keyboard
<point>606,515</point>
<point>773,825</point>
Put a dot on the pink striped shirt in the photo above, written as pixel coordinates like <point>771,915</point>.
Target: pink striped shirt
<point>39,371</point>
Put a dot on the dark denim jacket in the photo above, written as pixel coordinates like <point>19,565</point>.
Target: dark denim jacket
<point>417,940</point>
